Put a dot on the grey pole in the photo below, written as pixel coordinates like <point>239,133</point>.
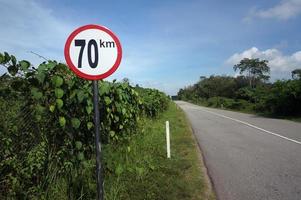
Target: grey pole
<point>97,142</point>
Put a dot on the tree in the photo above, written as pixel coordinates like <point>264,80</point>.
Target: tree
<point>296,74</point>
<point>255,70</point>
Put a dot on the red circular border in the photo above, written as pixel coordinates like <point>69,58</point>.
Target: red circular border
<point>87,76</point>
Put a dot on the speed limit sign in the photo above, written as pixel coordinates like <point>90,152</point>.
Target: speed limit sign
<point>93,52</point>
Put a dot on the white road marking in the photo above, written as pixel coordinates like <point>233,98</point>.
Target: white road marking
<point>250,125</point>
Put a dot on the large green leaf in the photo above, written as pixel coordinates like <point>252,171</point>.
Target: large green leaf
<point>51,108</point>
<point>62,121</point>
<point>42,67</point>
<point>24,64</point>
<point>104,88</point>
<point>112,133</point>
<point>39,109</point>
<point>36,94</point>
<point>57,81</point>
<point>89,125</point>
<point>75,123</point>
<point>59,93</point>
<point>59,103</point>
<point>80,156</point>
<point>89,109</point>
<point>13,60</point>
<point>107,100</point>
<point>6,57</point>
<point>51,64</point>
<point>80,95</point>
<point>78,145</point>
<point>41,76</point>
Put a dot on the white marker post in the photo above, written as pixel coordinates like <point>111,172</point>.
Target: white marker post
<point>167,139</point>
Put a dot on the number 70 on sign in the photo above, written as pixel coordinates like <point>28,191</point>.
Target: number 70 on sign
<point>93,52</point>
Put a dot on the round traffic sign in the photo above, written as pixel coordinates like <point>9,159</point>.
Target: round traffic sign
<point>93,52</point>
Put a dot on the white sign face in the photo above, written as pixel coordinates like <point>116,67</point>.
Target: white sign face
<point>93,52</point>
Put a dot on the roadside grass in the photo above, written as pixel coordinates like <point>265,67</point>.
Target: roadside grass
<point>291,118</point>
<point>140,169</point>
<point>244,108</point>
<point>223,103</point>
<point>295,119</point>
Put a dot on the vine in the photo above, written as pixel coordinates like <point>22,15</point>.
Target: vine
<point>50,127</point>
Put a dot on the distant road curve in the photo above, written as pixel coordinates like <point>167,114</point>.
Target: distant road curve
<point>248,157</point>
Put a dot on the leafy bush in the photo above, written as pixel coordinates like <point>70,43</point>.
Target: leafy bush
<point>284,98</point>
<point>48,131</point>
<point>222,102</point>
<point>153,101</point>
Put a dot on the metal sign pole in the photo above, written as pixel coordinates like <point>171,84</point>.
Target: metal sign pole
<point>97,141</point>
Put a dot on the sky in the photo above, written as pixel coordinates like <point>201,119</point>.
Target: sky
<point>166,44</point>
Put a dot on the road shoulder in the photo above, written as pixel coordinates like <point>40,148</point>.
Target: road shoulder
<point>208,190</point>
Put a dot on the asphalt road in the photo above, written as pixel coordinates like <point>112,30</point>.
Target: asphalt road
<point>247,156</point>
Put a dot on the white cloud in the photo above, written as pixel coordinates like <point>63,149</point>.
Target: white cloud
<point>279,64</point>
<point>284,10</point>
<point>27,26</point>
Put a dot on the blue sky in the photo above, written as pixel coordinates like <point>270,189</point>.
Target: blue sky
<point>166,44</point>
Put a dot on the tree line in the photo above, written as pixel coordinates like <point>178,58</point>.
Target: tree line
<point>251,90</point>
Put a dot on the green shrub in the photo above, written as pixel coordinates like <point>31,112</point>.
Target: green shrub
<point>284,98</point>
<point>234,104</point>
<point>48,134</point>
<point>153,101</point>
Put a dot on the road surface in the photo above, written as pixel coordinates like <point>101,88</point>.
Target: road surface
<point>248,157</point>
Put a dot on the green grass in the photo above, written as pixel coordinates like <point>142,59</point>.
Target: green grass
<point>295,119</point>
<point>291,118</point>
<point>140,169</point>
<point>247,108</point>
